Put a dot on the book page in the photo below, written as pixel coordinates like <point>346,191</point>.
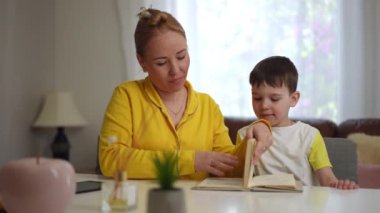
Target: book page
<point>278,182</point>
<point>249,168</point>
<point>233,183</point>
<point>281,181</point>
<point>253,180</point>
<point>221,184</point>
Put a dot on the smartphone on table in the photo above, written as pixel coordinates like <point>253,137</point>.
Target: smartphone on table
<point>88,186</point>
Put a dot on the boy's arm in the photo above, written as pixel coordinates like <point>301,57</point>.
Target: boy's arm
<point>321,165</point>
<point>326,177</point>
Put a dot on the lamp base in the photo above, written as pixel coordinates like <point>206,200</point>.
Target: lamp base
<point>60,146</point>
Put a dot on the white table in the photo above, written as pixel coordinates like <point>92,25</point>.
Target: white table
<point>313,199</point>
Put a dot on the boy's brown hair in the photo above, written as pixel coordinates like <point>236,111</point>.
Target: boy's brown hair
<point>275,71</point>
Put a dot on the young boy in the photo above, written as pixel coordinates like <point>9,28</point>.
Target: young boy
<point>297,147</point>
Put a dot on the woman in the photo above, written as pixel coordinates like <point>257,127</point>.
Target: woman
<point>163,112</point>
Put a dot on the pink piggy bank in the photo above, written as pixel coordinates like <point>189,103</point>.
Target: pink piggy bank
<point>46,186</point>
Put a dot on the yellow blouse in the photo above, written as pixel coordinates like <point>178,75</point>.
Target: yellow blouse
<point>137,127</point>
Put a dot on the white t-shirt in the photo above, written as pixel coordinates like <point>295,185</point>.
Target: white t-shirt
<point>292,152</point>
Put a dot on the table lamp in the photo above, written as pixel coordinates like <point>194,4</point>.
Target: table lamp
<point>59,111</point>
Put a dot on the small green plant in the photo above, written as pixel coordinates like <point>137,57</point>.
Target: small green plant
<point>166,170</point>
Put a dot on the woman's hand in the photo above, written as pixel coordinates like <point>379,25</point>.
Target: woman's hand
<point>344,184</point>
<point>263,136</point>
<point>215,163</point>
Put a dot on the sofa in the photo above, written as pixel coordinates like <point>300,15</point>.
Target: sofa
<point>346,150</point>
<point>328,128</point>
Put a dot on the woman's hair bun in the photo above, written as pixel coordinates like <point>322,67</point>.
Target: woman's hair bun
<point>152,17</point>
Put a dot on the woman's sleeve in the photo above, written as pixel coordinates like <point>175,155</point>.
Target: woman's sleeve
<point>223,143</point>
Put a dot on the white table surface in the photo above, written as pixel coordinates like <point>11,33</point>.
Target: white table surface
<point>312,199</point>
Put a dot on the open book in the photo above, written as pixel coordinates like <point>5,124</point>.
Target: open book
<point>251,180</point>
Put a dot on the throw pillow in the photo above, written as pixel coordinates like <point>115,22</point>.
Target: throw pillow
<point>368,148</point>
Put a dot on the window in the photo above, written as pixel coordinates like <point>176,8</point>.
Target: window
<point>227,38</point>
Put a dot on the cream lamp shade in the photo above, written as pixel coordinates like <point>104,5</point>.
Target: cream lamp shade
<point>59,111</point>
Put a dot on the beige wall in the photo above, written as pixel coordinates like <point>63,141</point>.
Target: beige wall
<point>66,45</point>
<point>89,63</point>
<point>26,66</point>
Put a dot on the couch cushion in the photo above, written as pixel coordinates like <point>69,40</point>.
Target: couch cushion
<point>342,153</point>
<point>369,175</point>
<point>368,148</point>
<point>234,124</point>
<point>370,126</point>
<point>326,127</point>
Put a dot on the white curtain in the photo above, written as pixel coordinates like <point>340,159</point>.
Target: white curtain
<point>352,75</point>
<point>360,59</point>
<point>230,37</point>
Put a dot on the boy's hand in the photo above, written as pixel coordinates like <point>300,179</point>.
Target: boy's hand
<point>263,136</point>
<point>344,184</point>
<point>326,177</point>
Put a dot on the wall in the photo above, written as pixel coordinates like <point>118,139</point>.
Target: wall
<point>88,63</point>
<point>377,56</point>
<point>56,45</point>
<point>26,66</point>
<point>360,65</point>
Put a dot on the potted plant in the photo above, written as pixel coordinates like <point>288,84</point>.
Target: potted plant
<point>167,198</point>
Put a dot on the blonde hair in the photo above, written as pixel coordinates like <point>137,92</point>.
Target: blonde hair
<point>151,23</point>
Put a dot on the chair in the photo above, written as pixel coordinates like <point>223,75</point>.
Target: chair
<point>97,168</point>
<point>343,157</point>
